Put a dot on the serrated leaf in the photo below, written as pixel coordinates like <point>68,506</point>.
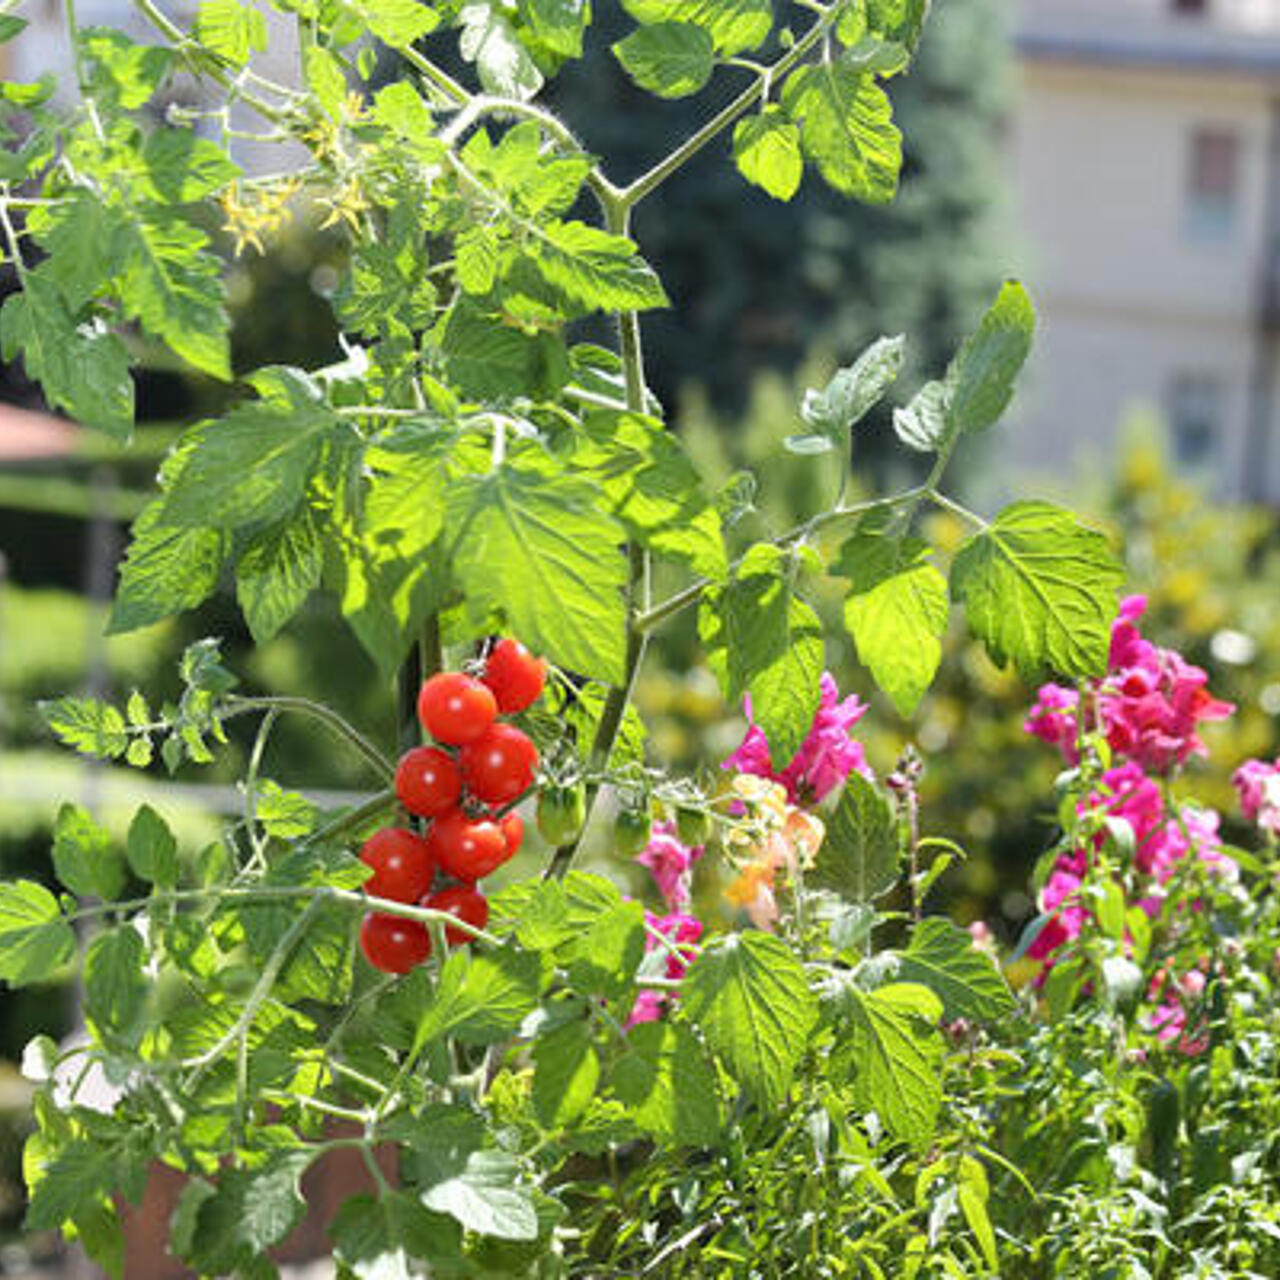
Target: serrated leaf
<point>231,30</point>
<point>896,611</point>
<point>488,39</point>
<point>553,915</point>
<point>489,360</point>
<point>734,25</point>
<point>182,167</point>
<point>165,571</point>
<point>285,815</point>
<point>152,850</point>
<point>924,424</point>
<point>846,128</point>
<point>748,995</point>
<point>596,269</point>
<point>83,369</point>
<point>667,1085</point>
<point>942,957</point>
<point>899,20</point>
<point>477,259</point>
<point>766,147</point>
<point>607,954</point>
<point>859,858</point>
<point>80,1175</point>
<point>539,549</point>
<point>34,938</point>
<point>86,861</point>
<point>559,24</point>
<point>80,235</point>
<point>278,569</point>
<point>670,59</point>
<point>93,728</point>
<point>481,997</point>
<point>854,391</point>
<point>566,1071</point>
<point>115,988</point>
<point>398,23</point>
<point>894,1050</point>
<point>764,640</point>
<point>1039,589</point>
<point>382,1239</point>
<point>981,379</point>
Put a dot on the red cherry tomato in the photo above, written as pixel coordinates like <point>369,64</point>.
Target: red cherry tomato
<point>499,766</point>
<point>392,944</point>
<point>428,781</point>
<point>512,825</point>
<point>463,901</point>
<point>467,848</point>
<point>402,865</point>
<point>515,676</point>
<point>456,708</point>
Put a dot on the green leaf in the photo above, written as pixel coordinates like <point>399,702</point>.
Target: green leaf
<point>895,1051</point>
<point>183,167</point>
<point>83,369</point>
<point>86,861</point>
<point>382,1239</point>
<point>539,549</point>
<point>924,425</point>
<point>734,25</point>
<point>285,815</point>
<point>766,147</point>
<point>482,997</point>
<point>152,850</point>
<point>34,938</point>
<point>671,59</point>
<point>278,569</point>
<point>607,954</point>
<point>764,640</point>
<point>487,359</point>
<point>900,20</point>
<point>559,24</point>
<point>488,39</point>
<point>596,269</point>
<point>973,1195</point>
<point>1039,588</point>
<point>80,1175</point>
<point>553,915</point>
<point>566,1071</point>
<point>231,30</point>
<point>173,287</point>
<point>748,995</point>
<point>859,859</point>
<point>254,465</point>
<point>667,1085</point>
<point>943,958</point>
<point>115,987</point>
<point>481,1189</point>
<point>165,571</point>
<point>981,378</point>
<point>80,234</point>
<point>896,611</point>
<point>93,728</point>
<point>854,391</point>
<point>398,23</point>
<point>11,26</point>
<point>846,128</point>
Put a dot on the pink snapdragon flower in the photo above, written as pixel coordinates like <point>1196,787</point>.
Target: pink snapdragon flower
<point>826,758</point>
<point>1150,704</point>
<point>1258,785</point>
<point>1175,999</point>
<point>682,932</point>
<point>671,863</point>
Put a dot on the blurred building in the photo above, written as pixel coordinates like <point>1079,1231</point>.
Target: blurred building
<point>1146,167</point>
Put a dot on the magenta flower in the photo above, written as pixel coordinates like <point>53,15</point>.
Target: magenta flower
<point>1258,785</point>
<point>671,863</point>
<point>826,758</point>
<point>682,932</point>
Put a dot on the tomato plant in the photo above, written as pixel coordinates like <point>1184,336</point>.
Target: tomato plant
<point>476,466</point>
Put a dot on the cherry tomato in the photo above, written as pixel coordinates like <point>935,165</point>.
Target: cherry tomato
<point>467,848</point>
<point>402,865</point>
<point>392,944</point>
<point>456,708</point>
<point>693,826</point>
<point>499,766</point>
<point>512,825</point>
<point>463,901</point>
<point>632,831</point>
<point>561,813</point>
<point>428,781</point>
<point>515,676</point>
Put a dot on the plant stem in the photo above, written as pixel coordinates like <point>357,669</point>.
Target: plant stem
<point>655,177</point>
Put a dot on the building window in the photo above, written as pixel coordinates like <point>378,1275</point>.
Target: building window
<point>1192,8</point>
<point>1195,419</point>
<point>1213,184</point>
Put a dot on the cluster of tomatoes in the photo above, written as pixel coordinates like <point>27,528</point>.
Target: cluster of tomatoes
<point>465,786</point>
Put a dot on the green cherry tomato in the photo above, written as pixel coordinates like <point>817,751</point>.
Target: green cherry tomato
<point>693,826</point>
<point>561,813</point>
<point>632,831</point>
